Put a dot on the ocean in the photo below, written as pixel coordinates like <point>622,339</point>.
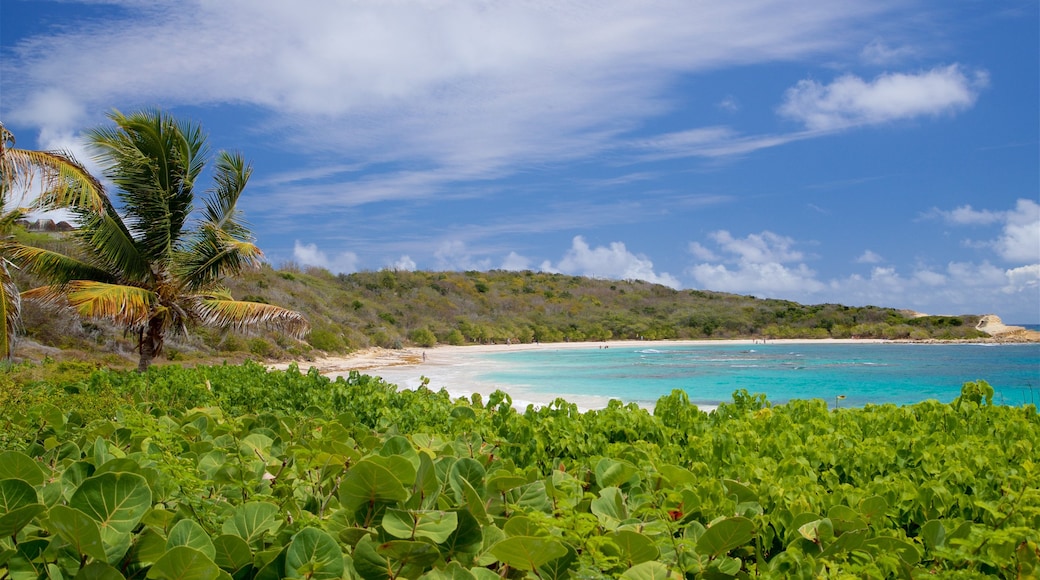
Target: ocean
<point>843,374</point>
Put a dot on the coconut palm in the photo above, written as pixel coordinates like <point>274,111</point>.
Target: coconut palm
<point>46,180</point>
<point>154,265</point>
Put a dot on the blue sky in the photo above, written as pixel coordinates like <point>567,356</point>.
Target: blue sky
<point>881,152</point>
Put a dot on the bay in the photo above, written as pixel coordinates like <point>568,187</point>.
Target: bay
<point>843,374</point>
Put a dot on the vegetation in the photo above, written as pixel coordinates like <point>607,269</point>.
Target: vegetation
<point>233,471</point>
<point>59,181</point>
<point>144,265</point>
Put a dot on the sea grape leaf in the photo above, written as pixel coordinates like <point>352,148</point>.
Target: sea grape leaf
<point>401,468</point>
<point>251,521</point>
<point>466,538</point>
<point>932,534</point>
<point>609,507</point>
<point>149,546</point>
<point>16,493</point>
<point>17,465</point>
<point>184,563</point>
<point>884,545</point>
<point>474,502</point>
<point>368,563</point>
<point>369,483</point>
<point>453,571</point>
<point>519,525</point>
<point>846,542</point>
<point>79,530</point>
<point>649,571</point>
<point>724,535</point>
<point>873,508</point>
<point>559,568</point>
<point>427,487</point>
<point>433,525</point>
<point>408,557</point>
<point>231,553</point>
<point>636,547</point>
<point>189,533</point>
<point>503,483</point>
<point>13,521</point>
<point>400,446</point>
<point>533,498</point>
<point>613,473</point>
<point>468,470</point>
<point>99,571</point>
<point>528,552</point>
<point>314,554</point>
<point>819,531</point>
<point>742,492</point>
<point>116,500</point>
<point>273,569</point>
<point>677,476</point>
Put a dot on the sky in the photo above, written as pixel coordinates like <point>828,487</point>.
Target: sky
<point>823,151</point>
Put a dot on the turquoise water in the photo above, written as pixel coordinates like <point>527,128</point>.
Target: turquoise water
<point>862,373</point>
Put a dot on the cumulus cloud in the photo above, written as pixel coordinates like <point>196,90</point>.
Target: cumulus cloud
<point>869,257</point>
<point>515,262</point>
<point>613,261</point>
<point>877,52</point>
<point>759,264</point>
<point>310,255</point>
<point>1019,239</point>
<point>455,255</point>
<point>404,263</point>
<point>850,101</point>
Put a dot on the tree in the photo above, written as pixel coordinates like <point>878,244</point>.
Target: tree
<point>47,180</point>
<point>154,265</point>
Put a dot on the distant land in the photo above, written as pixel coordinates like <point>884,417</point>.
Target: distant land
<point>396,309</point>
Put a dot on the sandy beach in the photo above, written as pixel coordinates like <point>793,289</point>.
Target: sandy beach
<point>456,369</point>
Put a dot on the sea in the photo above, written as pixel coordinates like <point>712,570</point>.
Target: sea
<point>843,374</point>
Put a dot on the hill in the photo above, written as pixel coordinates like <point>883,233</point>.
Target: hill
<point>392,308</point>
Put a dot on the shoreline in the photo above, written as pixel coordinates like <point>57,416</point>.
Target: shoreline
<point>455,369</point>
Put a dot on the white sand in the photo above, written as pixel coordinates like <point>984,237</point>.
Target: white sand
<point>456,368</point>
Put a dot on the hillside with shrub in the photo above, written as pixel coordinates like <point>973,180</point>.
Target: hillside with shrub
<point>393,309</point>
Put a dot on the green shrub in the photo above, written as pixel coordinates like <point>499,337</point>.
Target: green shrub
<point>423,337</point>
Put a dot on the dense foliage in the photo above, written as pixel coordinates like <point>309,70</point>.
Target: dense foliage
<point>237,472</point>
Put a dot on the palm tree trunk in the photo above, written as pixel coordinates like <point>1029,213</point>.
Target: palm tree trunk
<point>151,343</point>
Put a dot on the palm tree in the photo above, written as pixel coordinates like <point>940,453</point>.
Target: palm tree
<point>153,266</point>
<point>62,182</point>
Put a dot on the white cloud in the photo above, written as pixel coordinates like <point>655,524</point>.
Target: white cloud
<point>455,255</point>
<point>756,264</point>
<point>613,261</point>
<point>404,263</point>
<point>729,104</point>
<point>515,262</point>
<point>470,88</point>
<point>869,257</point>
<point>850,101</point>
<point>310,255</point>
<point>702,253</point>
<point>1020,240</point>
<point>878,52</point>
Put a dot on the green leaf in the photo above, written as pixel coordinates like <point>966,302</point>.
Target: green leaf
<point>12,522</point>
<point>932,534</point>
<point>907,552</point>
<point>16,493</point>
<point>188,533</point>
<point>369,483</point>
<point>252,521</point>
<point>610,507</point>
<point>613,473</point>
<point>528,552</point>
<point>231,553</point>
<point>79,530</point>
<point>649,571</point>
<point>368,563</point>
<point>468,470</point>
<point>313,554</point>
<point>116,501</point>
<point>17,465</point>
<point>99,571</point>
<point>466,538</point>
<point>453,571</point>
<point>184,563</point>
<point>409,558</point>
<point>435,526</point>
<point>724,535</point>
<point>636,547</point>
<point>501,483</point>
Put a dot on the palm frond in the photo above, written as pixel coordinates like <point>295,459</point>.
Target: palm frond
<point>217,310</point>
<point>214,255</point>
<point>53,266</point>
<point>128,306</point>
<point>231,174</point>
<point>112,246</point>
<point>10,307</point>
<point>64,182</point>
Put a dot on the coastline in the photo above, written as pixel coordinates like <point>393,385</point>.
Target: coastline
<point>456,369</point>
